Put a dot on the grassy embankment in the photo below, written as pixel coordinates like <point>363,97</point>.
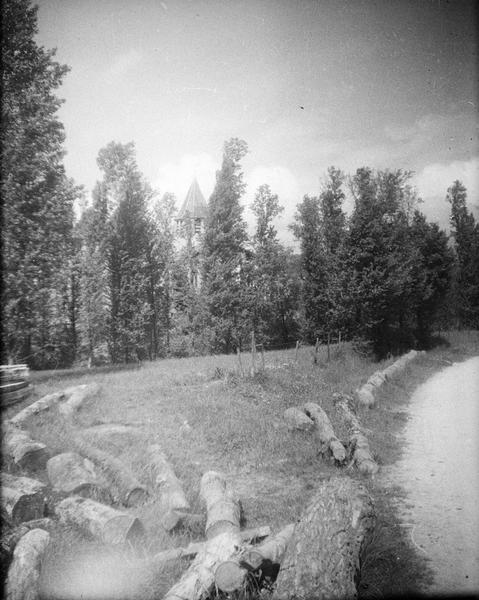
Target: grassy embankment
<point>206,416</point>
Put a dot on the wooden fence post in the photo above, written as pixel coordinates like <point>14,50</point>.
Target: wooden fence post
<point>329,350</point>
<point>316,351</point>
<point>296,353</point>
<point>262,356</point>
<point>238,352</point>
<point>253,354</point>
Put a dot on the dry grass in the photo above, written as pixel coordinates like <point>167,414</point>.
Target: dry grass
<point>206,416</point>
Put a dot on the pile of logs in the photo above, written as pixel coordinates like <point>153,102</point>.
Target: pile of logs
<point>366,393</point>
<point>96,493</point>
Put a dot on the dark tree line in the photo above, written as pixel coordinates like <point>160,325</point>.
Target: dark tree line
<point>123,283</point>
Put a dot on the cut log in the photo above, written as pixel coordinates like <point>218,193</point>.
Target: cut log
<point>222,508</point>
<point>14,373</point>
<point>25,452</point>
<point>325,431</point>
<point>75,396</point>
<point>296,419</point>
<point>24,571</point>
<point>272,549</point>
<point>132,493</point>
<point>322,557</point>
<point>13,535</point>
<point>231,574</point>
<point>45,403</point>
<point>171,490</point>
<point>69,472</point>
<point>361,453</point>
<point>223,539</point>
<point>248,535</point>
<point>23,498</point>
<point>365,395</point>
<point>102,522</point>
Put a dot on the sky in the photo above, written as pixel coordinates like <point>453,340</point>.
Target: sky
<point>306,83</point>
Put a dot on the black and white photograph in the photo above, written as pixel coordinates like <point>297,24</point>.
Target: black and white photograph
<point>239,299</point>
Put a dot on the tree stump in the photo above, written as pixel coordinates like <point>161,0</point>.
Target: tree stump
<point>25,452</point>
<point>322,558</point>
<point>24,571</point>
<point>296,419</point>
<point>23,498</point>
<point>102,522</point>
<point>325,431</point>
<point>69,472</point>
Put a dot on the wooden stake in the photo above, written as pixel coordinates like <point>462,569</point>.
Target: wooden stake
<point>316,351</point>
<point>296,353</point>
<point>262,356</point>
<point>238,352</point>
<point>329,340</point>
<point>253,354</point>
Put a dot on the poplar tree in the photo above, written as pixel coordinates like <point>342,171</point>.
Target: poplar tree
<point>223,251</point>
<point>37,211</point>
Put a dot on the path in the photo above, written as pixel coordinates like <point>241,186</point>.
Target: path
<point>440,473</point>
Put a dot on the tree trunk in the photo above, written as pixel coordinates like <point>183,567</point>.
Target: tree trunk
<point>45,403</point>
<point>361,453</point>
<point>69,472</point>
<point>24,571</point>
<point>25,452</point>
<point>103,522</point>
<point>172,497</point>
<point>132,493</point>
<point>223,539</point>
<point>23,498</point>
<point>12,535</point>
<point>322,558</point>
<point>325,431</point>
<point>75,396</point>
<point>296,419</point>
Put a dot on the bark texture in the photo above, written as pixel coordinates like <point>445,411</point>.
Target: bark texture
<point>23,498</point>
<point>25,452</point>
<point>69,472</point>
<point>322,557</point>
<point>75,397</point>
<point>273,549</point>
<point>297,419</point>
<point>102,522</point>
<point>325,431</point>
<point>24,571</point>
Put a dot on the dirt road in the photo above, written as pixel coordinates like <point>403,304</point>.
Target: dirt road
<point>440,473</point>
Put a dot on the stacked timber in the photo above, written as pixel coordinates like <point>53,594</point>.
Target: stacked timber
<point>22,498</point>
<point>107,524</point>
<point>322,558</point>
<point>14,384</point>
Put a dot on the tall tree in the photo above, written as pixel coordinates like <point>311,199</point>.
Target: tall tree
<point>271,283</point>
<point>37,196</point>
<point>223,249</point>
<point>465,232</point>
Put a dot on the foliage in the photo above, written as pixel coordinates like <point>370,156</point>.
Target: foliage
<point>223,251</point>
<point>37,196</point>
<point>465,232</point>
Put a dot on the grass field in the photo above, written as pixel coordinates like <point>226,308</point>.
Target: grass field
<point>206,416</point>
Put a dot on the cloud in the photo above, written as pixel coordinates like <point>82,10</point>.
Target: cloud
<point>124,63</point>
<point>176,177</point>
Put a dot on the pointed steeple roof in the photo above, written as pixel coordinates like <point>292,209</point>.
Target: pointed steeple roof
<point>194,204</point>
